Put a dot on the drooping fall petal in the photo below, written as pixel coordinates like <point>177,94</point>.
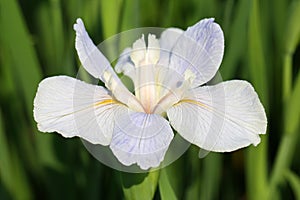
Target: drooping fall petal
<point>223,117</point>
<point>74,108</point>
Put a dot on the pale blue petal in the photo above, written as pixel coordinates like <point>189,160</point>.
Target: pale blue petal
<point>199,49</point>
<point>98,66</point>
<point>140,138</point>
<point>91,58</point>
<point>167,41</point>
<point>125,65</point>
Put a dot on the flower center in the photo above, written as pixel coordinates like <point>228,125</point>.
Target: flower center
<point>157,86</point>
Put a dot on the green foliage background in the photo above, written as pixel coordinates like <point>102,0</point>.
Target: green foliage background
<point>262,46</point>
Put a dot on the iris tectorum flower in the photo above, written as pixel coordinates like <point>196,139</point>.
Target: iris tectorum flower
<point>169,76</point>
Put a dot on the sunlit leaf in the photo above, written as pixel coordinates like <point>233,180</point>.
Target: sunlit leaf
<point>139,186</point>
<point>257,157</point>
<point>165,188</point>
<point>110,15</point>
<point>292,28</point>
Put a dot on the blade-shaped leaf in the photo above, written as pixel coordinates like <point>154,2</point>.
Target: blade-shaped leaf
<point>165,188</point>
<point>110,15</point>
<point>294,182</point>
<point>257,157</point>
<point>211,176</point>
<point>25,67</point>
<point>139,186</point>
<point>11,169</point>
<point>236,40</point>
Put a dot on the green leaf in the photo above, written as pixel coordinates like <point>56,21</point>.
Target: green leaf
<point>57,30</point>
<point>256,57</point>
<point>177,180</point>
<point>12,171</point>
<point>192,190</point>
<point>294,182</point>
<point>165,188</point>
<point>211,176</point>
<point>51,43</point>
<point>289,141</point>
<point>25,68</point>
<point>130,18</point>
<point>292,28</point>
<point>291,38</point>
<point>279,11</point>
<point>235,40</point>
<point>110,15</point>
<point>139,186</point>
<point>18,42</point>
<point>293,109</point>
<point>257,156</point>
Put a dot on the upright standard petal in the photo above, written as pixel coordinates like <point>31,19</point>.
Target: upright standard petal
<point>163,47</point>
<point>98,66</point>
<point>200,49</point>
<point>124,64</point>
<point>140,138</point>
<point>75,108</point>
<point>167,41</point>
<point>90,56</point>
<point>139,51</point>
<point>221,118</point>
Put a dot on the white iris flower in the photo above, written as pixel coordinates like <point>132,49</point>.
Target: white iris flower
<point>168,76</point>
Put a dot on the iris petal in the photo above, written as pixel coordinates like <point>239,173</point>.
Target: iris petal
<point>75,108</point>
<point>98,66</point>
<point>221,118</point>
<point>200,49</point>
<point>90,56</point>
<point>167,42</point>
<point>140,138</point>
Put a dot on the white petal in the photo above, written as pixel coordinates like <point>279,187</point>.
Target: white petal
<point>90,56</point>
<point>75,108</point>
<point>98,66</point>
<point>124,64</point>
<point>199,49</point>
<point>167,41</point>
<point>153,49</point>
<point>138,51</point>
<point>140,138</point>
<point>221,118</point>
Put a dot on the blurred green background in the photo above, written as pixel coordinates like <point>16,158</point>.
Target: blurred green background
<point>262,46</point>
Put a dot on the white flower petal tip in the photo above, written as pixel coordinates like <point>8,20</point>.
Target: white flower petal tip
<point>141,138</point>
<point>220,118</point>
<point>74,108</point>
<point>153,49</point>
<point>138,51</point>
<point>79,26</point>
<point>145,55</point>
<point>89,55</point>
